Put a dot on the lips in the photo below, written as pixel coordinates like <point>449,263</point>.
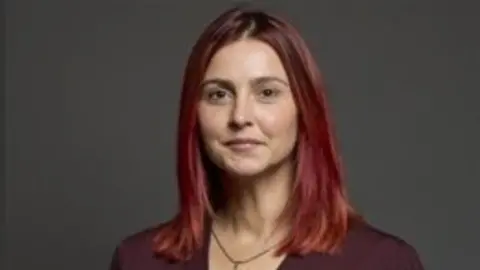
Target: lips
<point>243,143</point>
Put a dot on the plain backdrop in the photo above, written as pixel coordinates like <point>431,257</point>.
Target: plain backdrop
<point>92,93</point>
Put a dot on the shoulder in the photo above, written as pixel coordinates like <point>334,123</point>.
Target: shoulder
<point>135,251</point>
<point>381,250</point>
<point>140,242</point>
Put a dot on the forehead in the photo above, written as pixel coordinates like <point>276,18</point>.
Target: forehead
<point>244,60</point>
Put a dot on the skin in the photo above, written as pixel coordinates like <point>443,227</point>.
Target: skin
<point>246,94</point>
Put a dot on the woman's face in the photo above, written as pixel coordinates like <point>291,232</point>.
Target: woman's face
<point>247,114</point>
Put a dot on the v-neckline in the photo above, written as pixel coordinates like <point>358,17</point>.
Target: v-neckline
<point>201,259</point>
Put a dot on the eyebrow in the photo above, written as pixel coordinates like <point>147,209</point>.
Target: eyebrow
<point>225,83</point>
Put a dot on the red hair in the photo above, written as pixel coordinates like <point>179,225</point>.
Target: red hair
<point>322,212</point>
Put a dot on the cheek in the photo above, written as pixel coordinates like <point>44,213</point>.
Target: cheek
<point>211,123</point>
<point>279,121</point>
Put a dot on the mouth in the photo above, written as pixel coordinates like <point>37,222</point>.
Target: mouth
<point>243,144</point>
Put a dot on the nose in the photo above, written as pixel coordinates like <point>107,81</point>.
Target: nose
<point>241,114</point>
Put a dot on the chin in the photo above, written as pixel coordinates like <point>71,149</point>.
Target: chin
<point>244,170</point>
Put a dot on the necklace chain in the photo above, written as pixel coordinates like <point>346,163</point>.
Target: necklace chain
<point>237,263</point>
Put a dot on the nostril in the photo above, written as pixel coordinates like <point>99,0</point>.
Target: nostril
<point>238,124</point>
<point>235,125</point>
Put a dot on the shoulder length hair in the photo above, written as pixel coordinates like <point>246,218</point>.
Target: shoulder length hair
<point>321,209</point>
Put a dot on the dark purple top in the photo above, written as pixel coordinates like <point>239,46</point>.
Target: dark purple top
<point>365,248</point>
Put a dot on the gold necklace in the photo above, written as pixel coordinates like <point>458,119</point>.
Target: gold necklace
<point>237,263</point>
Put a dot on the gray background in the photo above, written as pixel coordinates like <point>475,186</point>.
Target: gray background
<point>92,90</point>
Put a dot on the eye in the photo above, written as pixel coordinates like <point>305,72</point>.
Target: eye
<point>216,95</point>
<point>268,92</point>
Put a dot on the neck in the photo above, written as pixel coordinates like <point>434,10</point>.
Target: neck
<point>256,203</point>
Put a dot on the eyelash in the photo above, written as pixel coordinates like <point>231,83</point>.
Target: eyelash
<point>274,92</point>
<point>213,95</point>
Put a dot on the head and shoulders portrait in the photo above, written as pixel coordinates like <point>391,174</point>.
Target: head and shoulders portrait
<point>260,179</point>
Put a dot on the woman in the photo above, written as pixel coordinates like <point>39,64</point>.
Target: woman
<point>259,175</point>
